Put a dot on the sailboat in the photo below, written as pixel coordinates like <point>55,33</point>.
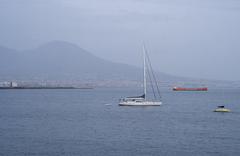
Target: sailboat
<point>143,100</point>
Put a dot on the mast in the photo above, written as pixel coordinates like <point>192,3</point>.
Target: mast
<point>144,72</point>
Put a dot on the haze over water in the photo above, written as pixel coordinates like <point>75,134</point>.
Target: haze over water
<point>190,38</point>
<point>89,122</point>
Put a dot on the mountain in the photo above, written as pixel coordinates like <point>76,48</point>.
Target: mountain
<point>9,61</point>
<point>60,60</point>
<point>67,62</point>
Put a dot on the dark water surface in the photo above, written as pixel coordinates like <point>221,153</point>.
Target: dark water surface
<point>90,123</point>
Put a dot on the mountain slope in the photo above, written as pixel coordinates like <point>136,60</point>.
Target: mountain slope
<point>61,61</point>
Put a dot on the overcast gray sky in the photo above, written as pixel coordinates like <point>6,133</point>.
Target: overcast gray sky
<point>192,38</point>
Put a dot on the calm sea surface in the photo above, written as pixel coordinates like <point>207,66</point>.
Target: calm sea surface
<point>90,123</point>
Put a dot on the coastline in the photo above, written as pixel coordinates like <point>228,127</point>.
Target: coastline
<point>46,88</point>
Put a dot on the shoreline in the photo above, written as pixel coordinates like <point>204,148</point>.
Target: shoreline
<point>46,88</point>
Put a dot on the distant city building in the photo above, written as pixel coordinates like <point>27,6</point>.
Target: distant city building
<point>13,84</point>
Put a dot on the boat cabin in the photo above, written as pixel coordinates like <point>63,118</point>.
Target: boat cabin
<point>134,99</point>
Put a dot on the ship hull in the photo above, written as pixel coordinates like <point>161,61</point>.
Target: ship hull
<point>190,89</point>
<point>145,103</point>
<point>222,110</point>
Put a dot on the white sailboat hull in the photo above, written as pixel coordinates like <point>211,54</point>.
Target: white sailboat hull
<point>143,103</point>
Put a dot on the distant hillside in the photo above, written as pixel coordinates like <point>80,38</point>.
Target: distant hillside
<point>63,61</point>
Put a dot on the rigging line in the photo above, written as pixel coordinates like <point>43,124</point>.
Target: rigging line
<point>154,77</point>
<point>149,75</point>
<point>150,78</point>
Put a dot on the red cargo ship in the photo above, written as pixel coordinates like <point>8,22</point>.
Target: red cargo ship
<point>189,89</point>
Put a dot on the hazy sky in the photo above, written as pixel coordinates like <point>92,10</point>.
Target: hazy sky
<point>193,38</point>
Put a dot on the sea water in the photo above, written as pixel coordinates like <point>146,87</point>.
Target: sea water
<point>90,123</point>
